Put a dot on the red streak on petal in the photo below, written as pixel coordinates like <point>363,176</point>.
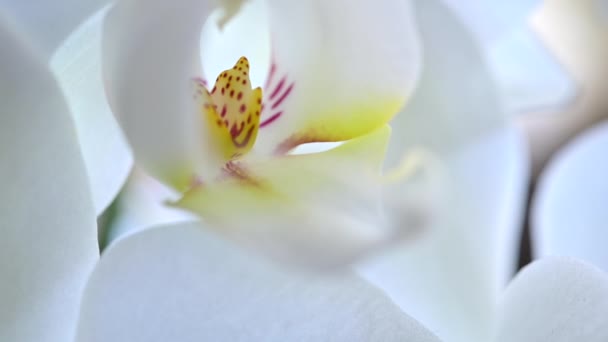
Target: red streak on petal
<point>270,119</point>
<point>278,88</point>
<point>273,69</point>
<point>278,102</point>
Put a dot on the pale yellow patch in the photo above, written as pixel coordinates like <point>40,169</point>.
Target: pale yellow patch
<point>345,122</point>
<point>267,187</point>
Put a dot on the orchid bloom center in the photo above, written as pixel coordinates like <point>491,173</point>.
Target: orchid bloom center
<point>231,110</point>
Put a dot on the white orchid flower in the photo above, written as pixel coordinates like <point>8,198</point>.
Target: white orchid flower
<point>189,295</point>
<point>484,217</point>
<point>485,202</point>
<point>223,146</point>
<point>49,237</point>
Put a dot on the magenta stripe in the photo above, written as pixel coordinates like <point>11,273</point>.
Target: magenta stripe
<point>273,69</point>
<point>270,119</point>
<point>277,89</point>
<point>278,102</point>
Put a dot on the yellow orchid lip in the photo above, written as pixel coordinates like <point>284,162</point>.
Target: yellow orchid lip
<point>232,110</point>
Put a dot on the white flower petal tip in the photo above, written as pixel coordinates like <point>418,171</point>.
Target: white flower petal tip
<point>47,221</point>
<point>180,283</point>
<point>569,214</point>
<point>77,66</point>
<point>555,299</point>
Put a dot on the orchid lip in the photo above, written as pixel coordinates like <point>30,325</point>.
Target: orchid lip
<point>235,112</point>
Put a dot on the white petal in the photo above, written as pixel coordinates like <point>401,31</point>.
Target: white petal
<point>530,77</point>
<point>558,300</point>
<point>489,20</point>
<point>569,215</point>
<point>77,66</point>
<point>449,280</point>
<point>456,100</point>
<point>151,53</point>
<point>179,283</point>
<point>47,221</point>
<point>340,69</point>
<point>49,22</point>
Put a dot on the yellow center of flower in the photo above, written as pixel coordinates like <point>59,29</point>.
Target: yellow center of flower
<point>232,110</point>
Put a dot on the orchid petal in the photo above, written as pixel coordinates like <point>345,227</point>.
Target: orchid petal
<point>49,237</point>
<point>513,50</point>
<point>558,300</point>
<point>180,283</point>
<point>148,68</point>
<point>313,209</point>
<point>451,277</point>
<point>47,23</point>
<point>569,214</point>
<point>513,57</point>
<point>489,21</point>
<point>334,76</point>
<point>77,66</point>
